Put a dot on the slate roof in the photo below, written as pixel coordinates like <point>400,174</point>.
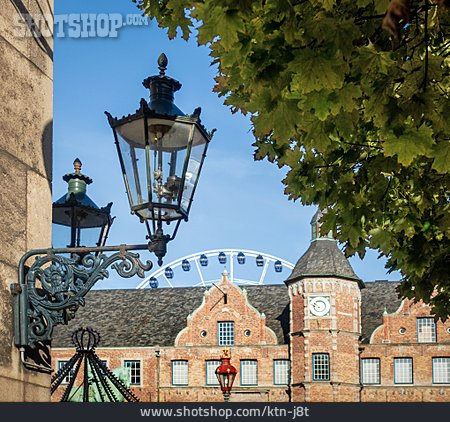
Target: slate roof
<point>151,317</point>
<point>323,258</point>
<point>374,298</point>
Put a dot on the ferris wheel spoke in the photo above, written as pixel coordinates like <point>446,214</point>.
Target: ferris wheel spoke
<point>168,281</point>
<point>264,272</point>
<point>202,280</point>
<point>231,267</point>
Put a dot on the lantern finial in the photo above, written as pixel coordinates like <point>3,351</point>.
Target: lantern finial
<point>162,64</point>
<point>226,354</point>
<point>77,165</point>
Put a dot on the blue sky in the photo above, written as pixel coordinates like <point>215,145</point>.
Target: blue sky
<point>239,203</point>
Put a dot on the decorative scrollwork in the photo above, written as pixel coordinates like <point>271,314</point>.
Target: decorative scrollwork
<point>55,287</point>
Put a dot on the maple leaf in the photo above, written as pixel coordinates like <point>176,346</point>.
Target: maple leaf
<point>410,144</point>
<point>441,153</point>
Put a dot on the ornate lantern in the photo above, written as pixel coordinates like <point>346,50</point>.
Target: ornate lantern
<point>87,222</point>
<point>226,373</point>
<point>161,152</point>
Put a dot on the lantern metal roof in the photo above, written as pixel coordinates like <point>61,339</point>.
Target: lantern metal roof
<point>77,197</point>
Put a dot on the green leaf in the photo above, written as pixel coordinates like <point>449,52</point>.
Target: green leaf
<point>223,23</point>
<point>441,153</point>
<point>313,72</point>
<point>410,144</point>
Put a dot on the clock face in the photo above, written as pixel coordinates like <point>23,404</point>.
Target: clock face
<point>319,305</point>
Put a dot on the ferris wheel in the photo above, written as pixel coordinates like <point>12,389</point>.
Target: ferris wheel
<point>232,258</point>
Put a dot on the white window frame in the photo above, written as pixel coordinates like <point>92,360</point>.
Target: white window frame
<point>59,365</point>
<point>131,369</point>
<point>426,330</point>
<point>370,371</point>
<point>225,333</point>
<point>281,371</point>
<point>321,370</point>
<point>180,372</point>
<point>441,370</point>
<point>249,372</point>
<point>403,370</point>
<point>211,377</point>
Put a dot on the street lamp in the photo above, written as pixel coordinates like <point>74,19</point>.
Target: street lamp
<point>76,211</point>
<point>161,152</point>
<point>226,373</point>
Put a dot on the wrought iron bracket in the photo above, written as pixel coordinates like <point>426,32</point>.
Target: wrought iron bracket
<point>53,287</point>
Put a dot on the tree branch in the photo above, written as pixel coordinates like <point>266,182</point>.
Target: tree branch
<point>425,75</point>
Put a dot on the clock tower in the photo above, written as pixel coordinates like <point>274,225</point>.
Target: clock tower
<point>325,323</point>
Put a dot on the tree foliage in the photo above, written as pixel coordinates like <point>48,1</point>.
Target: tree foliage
<point>358,114</point>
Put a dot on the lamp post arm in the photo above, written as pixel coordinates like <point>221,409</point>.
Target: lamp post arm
<point>51,290</point>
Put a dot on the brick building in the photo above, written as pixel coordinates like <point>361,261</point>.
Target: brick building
<point>324,336</point>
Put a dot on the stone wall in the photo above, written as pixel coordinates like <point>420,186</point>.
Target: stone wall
<point>26,74</point>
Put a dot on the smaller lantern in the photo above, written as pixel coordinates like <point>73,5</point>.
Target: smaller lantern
<point>203,260</point>
<point>278,266</point>
<point>222,258</point>
<point>259,261</point>
<point>241,258</point>
<point>168,272</point>
<point>88,223</point>
<point>226,373</point>
<point>185,265</point>
<point>153,282</point>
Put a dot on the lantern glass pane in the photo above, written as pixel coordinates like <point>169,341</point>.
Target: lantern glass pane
<point>61,236</point>
<point>133,155</point>
<point>193,169</point>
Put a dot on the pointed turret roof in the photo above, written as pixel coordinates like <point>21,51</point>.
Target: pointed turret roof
<point>323,258</point>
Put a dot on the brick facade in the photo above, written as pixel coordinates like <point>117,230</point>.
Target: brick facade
<point>398,338</point>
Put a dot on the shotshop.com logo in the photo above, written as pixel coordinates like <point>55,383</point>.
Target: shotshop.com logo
<point>75,25</point>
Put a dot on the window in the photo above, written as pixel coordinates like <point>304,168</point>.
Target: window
<point>426,330</point>
<point>226,333</point>
<point>370,368</point>
<point>179,372</point>
<point>441,370</point>
<point>66,379</point>
<point>249,372</point>
<point>281,371</point>
<point>211,377</point>
<point>321,366</point>
<point>134,367</point>
<point>403,371</point>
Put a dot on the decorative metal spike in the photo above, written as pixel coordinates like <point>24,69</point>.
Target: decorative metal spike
<point>162,64</point>
<point>77,165</point>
